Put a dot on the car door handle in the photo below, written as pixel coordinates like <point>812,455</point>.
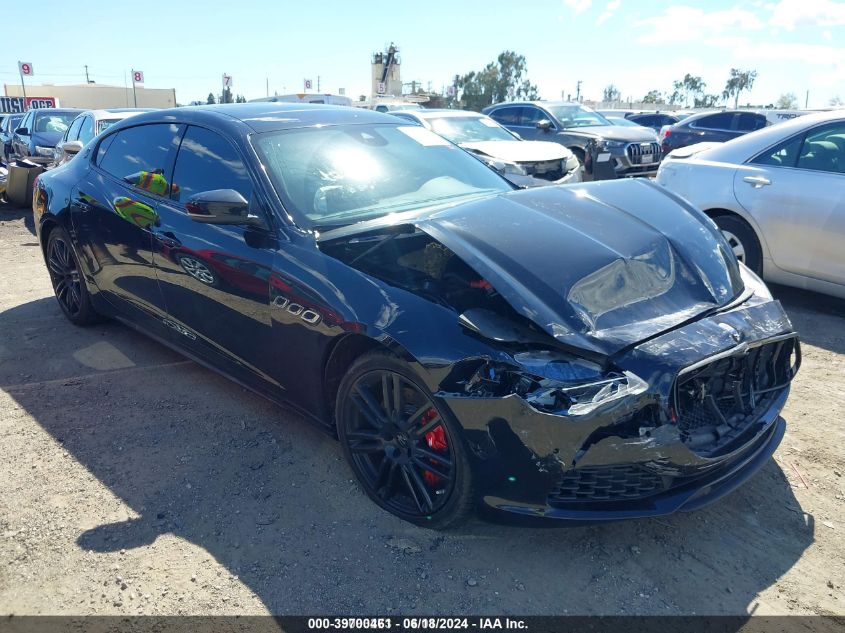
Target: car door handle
<point>168,238</point>
<point>757,181</point>
<point>83,206</point>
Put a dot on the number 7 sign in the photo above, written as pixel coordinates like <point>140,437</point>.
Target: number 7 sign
<point>25,69</point>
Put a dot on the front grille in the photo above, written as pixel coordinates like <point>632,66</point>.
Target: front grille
<point>636,151</point>
<point>717,403</point>
<point>609,483</point>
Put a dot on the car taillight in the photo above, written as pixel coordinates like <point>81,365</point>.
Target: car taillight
<point>667,133</point>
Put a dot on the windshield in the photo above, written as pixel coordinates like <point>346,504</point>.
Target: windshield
<point>615,120</point>
<point>576,116</point>
<point>467,129</point>
<point>340,175</point>
<point>53,122</point>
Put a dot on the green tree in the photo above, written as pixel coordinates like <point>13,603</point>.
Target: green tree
<point>499,81</point>
<point>683,89</point>
<point>706,101</point>
<point>836,101</point>
<point>611,94</point>
<point>787,101</point>
<point>211,98</point>
<point>240,99</point>
<point>739,81</point>
<point>227,96</point>
<point>652,96</point>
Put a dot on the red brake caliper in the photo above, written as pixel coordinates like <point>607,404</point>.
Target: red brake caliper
<point>436,440</point>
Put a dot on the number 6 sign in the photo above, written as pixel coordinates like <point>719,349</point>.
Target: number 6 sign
<point>137,77</point>
<point>25,69</point>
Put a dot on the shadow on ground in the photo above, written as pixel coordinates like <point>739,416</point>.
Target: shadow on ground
<point>269,497</point>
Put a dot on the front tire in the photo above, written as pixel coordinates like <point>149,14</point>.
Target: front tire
<point>66,277</point>
<point>742,240</point>
<point>405,447</point>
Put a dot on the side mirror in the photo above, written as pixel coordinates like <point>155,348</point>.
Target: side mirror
<point>544,124</point>
<point>71,148</point>
<point>22,131</point>
<point>220,206</point>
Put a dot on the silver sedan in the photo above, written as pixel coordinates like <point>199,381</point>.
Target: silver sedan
<point>778,196</point>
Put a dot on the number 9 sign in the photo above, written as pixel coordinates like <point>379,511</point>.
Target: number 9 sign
<point>25,69</point>
<point>137,77</point>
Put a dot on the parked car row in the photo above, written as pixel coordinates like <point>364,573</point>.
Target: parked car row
<point>525,163</point>
<point>588,352</point>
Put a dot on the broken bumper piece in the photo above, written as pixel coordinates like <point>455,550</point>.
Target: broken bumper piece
<point>706,421</point>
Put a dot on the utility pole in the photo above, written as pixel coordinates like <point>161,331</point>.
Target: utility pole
<point>318,83</point>
<point>87,80</point>
<point>134,94</point>
<point>578,91</point>
<point>807,100</point>
<point>267,84</point>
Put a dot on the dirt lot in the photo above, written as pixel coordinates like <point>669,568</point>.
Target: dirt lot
<point>134,481</point>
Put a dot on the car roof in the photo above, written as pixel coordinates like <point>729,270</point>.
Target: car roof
<point>537,103</point>
<point>264,116</point>
<point>439,113</point>
<point>58,110</point>
<point>113,113</point>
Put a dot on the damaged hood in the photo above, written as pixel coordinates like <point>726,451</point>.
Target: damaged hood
<point>520,151</point>
<point>599,266</point>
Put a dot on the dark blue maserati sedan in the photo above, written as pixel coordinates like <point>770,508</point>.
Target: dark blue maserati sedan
<point>583,352</point>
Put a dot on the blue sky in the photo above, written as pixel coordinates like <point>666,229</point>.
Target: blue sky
<point>638,45</point>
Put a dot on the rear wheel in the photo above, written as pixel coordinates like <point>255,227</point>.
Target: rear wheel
<point>66,277</point>
<point>742,240</point>
<point>404,447</point>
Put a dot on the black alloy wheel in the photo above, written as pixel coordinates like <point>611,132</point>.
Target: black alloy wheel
<point>404,449</point>
<point>68,285</point>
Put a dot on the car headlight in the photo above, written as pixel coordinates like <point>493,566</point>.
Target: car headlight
<point>505,167</point>
<point>606,144</point>
<point>44,151</point>
<point>570,164</point>
<point>555,383</point>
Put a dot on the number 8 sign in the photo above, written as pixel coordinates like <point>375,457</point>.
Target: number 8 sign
<point>137,77</point>
<point>25,69</point>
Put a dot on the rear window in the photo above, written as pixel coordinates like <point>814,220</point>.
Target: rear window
<point>719,121</point>
<point>45,122</point>
<point>748,122</point>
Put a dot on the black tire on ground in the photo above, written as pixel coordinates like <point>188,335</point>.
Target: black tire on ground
<point>66,277</point>
<point>410,459</point>
<point>742,240</point>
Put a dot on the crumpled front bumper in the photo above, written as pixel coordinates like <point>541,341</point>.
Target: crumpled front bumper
<point>521,454</point>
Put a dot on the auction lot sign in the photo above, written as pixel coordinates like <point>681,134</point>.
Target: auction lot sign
<point>12,105</point>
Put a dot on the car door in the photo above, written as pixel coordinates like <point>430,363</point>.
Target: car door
<point>113,209</point>
<point>716,128</point>
<point>794,193</point>
<point>526,126</point>
<point>508,116</point>
<point>20,142</point>
<point>216,278</point>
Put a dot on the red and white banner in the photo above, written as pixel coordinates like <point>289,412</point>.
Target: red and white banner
<point>12,105</point>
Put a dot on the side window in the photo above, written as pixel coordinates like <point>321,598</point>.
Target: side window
<point>27,120</point>
<point>506,116</point>
<point>748,122</point>
<point>72,133</point>
<point>207,161</point>
<point>530,116</point>
<point>86,132</point>
<point>824,149</point>
<point>719,121</point>
<point>140,155</point>
<point>783,155</point>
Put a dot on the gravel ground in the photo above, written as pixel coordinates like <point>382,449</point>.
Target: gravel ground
<point>136,482</point>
